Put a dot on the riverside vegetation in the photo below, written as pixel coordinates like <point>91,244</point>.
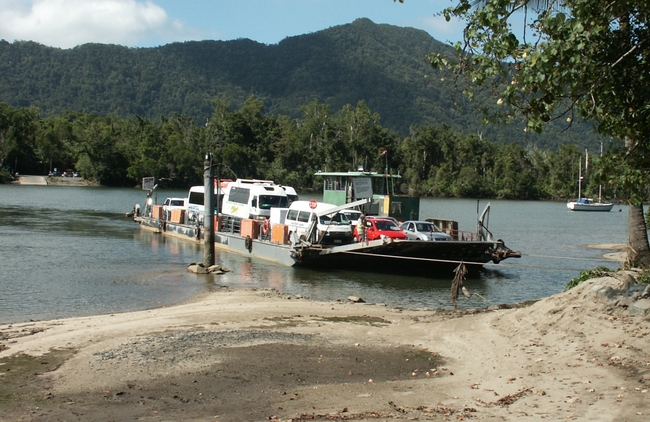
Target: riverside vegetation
<point>433,160</point>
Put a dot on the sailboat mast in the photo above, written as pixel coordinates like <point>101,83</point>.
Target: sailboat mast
<point>600,187</point>
<point>580,179</point>
<point>600,194</point>
<point>586,164</point>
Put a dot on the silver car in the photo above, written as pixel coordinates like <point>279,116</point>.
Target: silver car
<point>424,230</point>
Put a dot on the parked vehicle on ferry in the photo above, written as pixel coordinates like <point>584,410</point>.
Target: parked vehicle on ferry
<point>292,195</point>
<point>332,229</point>
<point>353,216</point>
<point>195,202</point>
<point>252,198</point>
<point>424,230</point>
<point>378,228</point>
<point>171,204</point>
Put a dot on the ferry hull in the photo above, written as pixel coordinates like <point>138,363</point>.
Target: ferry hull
<point>397,256</point>
<point>233,242</point>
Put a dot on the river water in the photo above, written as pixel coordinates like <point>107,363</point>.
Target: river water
<point>70,251</point>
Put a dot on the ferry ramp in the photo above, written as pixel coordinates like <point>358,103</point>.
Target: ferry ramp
<point>32,180</point>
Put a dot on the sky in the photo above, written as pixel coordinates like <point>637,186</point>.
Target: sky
<point>151,23</point>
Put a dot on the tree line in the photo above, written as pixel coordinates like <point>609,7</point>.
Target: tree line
<point>433,160</point>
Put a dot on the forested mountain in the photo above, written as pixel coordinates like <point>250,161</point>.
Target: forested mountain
<point>383,65</point>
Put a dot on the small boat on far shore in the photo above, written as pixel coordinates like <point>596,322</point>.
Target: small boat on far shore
<point>588,204</point>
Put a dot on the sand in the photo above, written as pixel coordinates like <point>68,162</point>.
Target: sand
<point>261,355</point>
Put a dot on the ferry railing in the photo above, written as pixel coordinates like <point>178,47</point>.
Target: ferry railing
<point>230,224</point>
<point>463,235</point>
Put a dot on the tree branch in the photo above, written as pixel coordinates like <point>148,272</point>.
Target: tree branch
<point>630,51</point>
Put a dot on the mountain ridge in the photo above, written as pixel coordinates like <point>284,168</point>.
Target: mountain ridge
<point>381,64</point>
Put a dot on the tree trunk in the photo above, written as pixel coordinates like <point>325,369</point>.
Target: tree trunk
<point>638,254</point>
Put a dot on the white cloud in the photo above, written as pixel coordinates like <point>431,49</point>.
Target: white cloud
<point>442,30</point>
<point>67,23</point>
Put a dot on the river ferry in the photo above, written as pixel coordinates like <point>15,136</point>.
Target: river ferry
<point>265,235</point>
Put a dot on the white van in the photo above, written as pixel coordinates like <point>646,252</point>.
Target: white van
<point>251,198</point>
<point>291,193</point>
<point>195,202</point>
<point>331,229</point>
<point>171,204</point>
<point>353,216</point>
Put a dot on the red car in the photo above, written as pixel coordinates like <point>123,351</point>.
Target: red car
<point>376,227</point>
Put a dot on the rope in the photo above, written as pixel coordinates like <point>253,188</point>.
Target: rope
<point>501,265</point>
<point>565,257</point>
<point>476,294</point>
<point>539,267</point>
<point>450,261</point>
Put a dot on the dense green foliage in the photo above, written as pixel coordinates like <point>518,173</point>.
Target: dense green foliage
<point>433,160</point>
<point>587,275</point>
<point>384,66</point>
<point>575,58</point>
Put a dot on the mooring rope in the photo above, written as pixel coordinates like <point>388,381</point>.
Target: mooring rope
<point>566,257</point>
<point>501,264</point>
<point>450,261</point>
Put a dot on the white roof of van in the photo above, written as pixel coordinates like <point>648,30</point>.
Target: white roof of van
<point>201,189</point>
<point>289,189</point>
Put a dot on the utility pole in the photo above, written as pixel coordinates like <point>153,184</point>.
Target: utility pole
<point>208,219</point>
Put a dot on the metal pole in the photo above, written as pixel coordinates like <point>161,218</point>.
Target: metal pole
<point>208,219</point>
<point>218,207</point>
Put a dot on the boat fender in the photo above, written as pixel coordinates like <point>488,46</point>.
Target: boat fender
<point>265,227</point>
<point>249,243</point>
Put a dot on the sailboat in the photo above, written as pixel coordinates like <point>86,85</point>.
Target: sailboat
<point>588,204</point>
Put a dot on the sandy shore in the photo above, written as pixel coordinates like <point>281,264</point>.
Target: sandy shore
<point>260,355</point>
<point>619,256</point>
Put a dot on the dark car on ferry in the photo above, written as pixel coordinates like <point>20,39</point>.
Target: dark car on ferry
<point>379,228</point>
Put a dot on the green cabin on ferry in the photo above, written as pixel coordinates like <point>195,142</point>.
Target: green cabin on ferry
<point>340,188</point>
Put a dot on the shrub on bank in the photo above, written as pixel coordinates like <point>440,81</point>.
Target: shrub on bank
<point>5,176</point>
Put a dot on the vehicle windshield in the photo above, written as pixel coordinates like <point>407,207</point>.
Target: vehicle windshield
<point>268,201</point>
<point>177,202</point>
<point>336,219</point>
<point>386,225</point>
<point>426,227</point>
<point>353,215</point>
